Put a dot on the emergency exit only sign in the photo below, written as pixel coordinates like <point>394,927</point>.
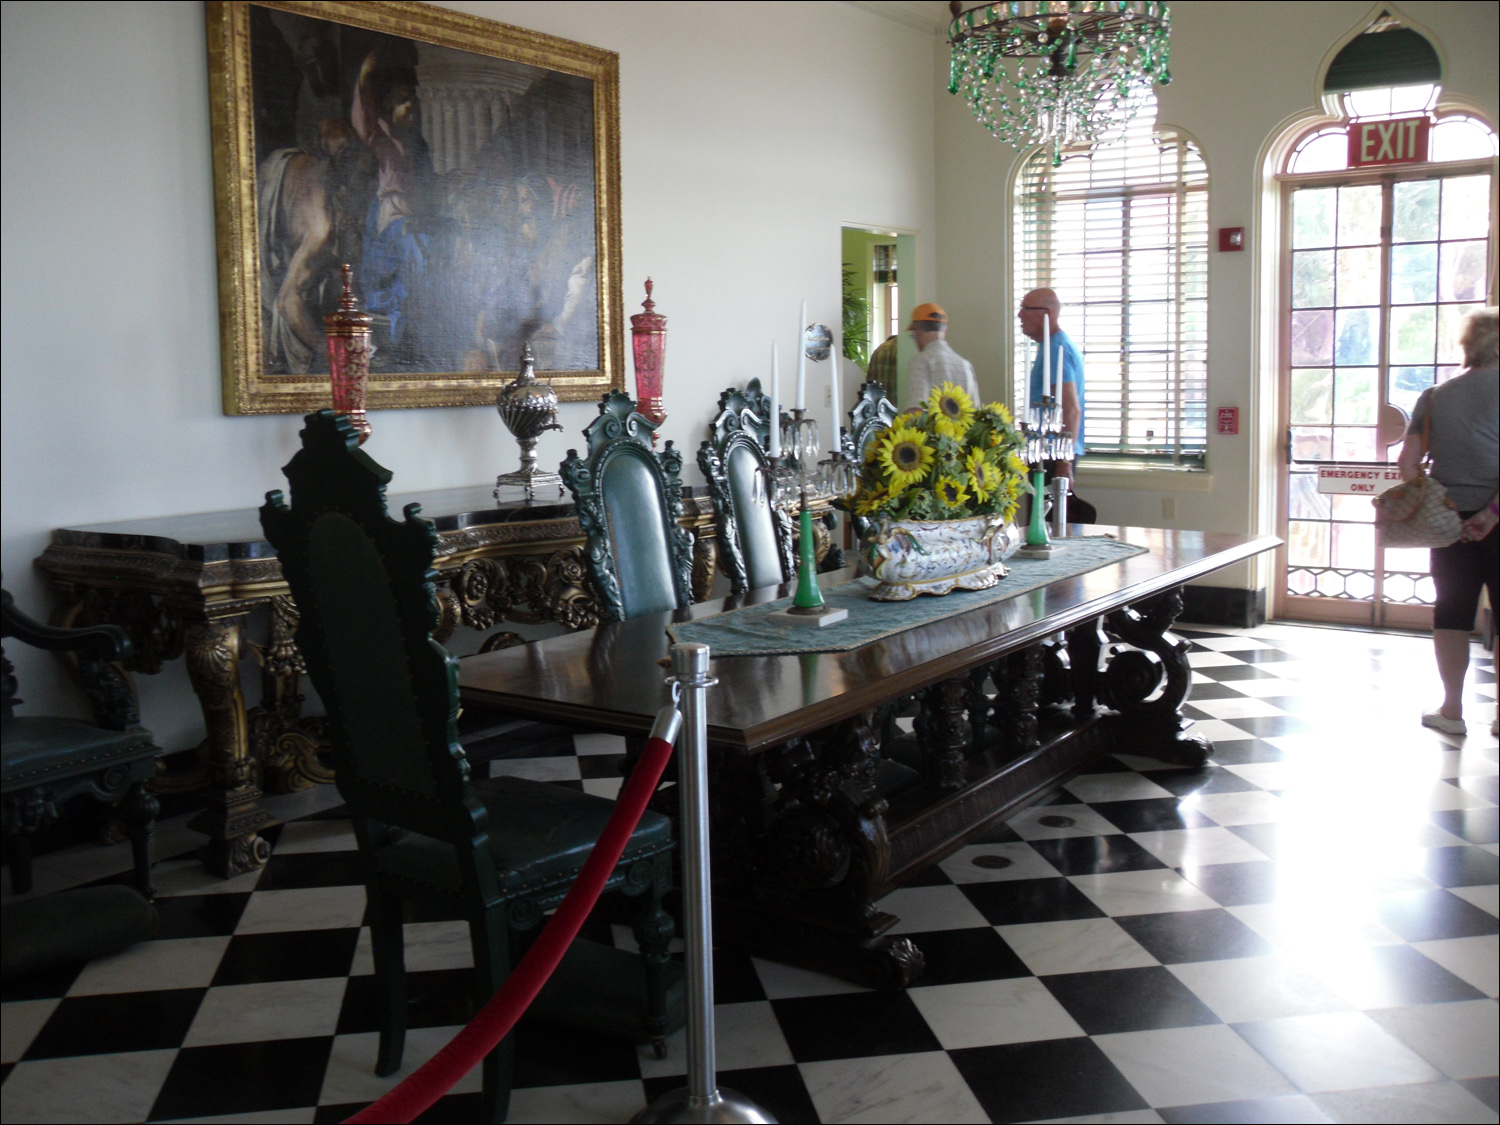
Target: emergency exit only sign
<point>1360,479</point>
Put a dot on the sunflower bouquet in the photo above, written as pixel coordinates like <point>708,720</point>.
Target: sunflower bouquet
<point>947,460</point>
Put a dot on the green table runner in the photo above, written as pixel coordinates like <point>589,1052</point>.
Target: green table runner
<point>748,632</point>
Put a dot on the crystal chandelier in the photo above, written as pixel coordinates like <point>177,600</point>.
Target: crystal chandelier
<point>1097,57</point>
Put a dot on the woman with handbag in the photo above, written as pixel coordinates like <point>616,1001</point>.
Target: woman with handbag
<point>1457,425</point>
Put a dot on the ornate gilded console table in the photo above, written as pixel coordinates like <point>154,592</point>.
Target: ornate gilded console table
<point>187,586</point>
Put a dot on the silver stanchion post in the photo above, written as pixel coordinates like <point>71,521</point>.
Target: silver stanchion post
<point>701,1100</point>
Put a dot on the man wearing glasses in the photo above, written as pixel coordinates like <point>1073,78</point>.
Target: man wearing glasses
<point>1041,307</point>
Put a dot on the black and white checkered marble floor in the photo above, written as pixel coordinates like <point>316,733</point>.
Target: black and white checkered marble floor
<point>1304,931</point>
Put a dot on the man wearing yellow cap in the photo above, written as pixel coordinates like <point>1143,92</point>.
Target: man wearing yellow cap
<point>935,362</point>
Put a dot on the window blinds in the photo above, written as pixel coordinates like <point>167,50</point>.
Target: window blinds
<point>1120,231</point>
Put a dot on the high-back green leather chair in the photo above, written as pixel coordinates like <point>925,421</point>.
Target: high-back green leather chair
<point>629,502</point>
<point>756,547</point>
<point>500,852</point>
<point>873,411</point>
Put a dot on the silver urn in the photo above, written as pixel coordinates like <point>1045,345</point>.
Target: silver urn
<point>528,407</point>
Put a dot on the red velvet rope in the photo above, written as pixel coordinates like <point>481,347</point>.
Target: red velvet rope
<point>436,1077</point>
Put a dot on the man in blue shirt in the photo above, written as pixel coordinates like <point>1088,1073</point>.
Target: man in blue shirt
<point>1040,307</point>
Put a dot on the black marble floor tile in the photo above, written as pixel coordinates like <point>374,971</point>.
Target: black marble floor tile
<point>1275,726</point>
<point>999,833</point>
<point>962,956</point>
<point>535,740</point>
<point>1461,867</point>
<point>1434,914</point>
<point>1206,780</point>
<point>188,916</point>
<point>1478,826</point>
<point>854,1025</point>
<point>1029,900</point>
<point>1244,751</point>
<point>1085,855</point>
<point>455,1109</point>
<point>1486,1090</point>
<point>41,986</point>
<point>1237,884</point>
<point>1051,1078</point>
<point>118,1022</point>
<point>934,876</point>
<point>293,955</point>
<point>243,1078</point>
<point>1291,1109</point>
<point>1213,691</point>
<point>558,1056</point>
<point>438,998</point>
<point>735,978</point>
<point>1264,837</point>
<point>311,869</point>
<point>1398,975</point>
<point>779,1090</point>
<point>1112,1000</point>
<point>1194,935</point>
<point>1266,655</point>
<point>1487,788</point>
<point>1228,673</point>
<point>600,765</point>
<point>1158,814</point>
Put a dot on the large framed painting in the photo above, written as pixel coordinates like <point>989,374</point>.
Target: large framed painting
<point>469,173</point>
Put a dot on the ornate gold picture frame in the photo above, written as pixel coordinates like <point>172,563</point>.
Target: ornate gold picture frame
<point>469,171</point>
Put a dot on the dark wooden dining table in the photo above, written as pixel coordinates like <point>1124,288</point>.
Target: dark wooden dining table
<point>819,807</point>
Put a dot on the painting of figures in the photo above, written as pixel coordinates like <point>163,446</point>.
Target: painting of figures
<point>468,173</point>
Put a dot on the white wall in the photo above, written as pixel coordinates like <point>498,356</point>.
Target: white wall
<point>750,133</point>
<point>1239,71</point>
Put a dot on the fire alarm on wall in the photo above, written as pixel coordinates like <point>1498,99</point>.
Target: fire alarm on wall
<point>1231,238</point>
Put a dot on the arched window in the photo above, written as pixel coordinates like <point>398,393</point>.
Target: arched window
<point>1120,230</point>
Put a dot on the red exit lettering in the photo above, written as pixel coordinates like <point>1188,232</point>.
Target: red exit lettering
<point>1403,141</point>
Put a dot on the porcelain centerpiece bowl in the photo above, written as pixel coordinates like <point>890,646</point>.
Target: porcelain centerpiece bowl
<point>911,557</point>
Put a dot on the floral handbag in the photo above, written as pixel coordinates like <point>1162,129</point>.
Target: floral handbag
<point>1418,513</point>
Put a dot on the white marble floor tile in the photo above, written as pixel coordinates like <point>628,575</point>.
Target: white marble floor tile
<point>303,1115</point>
<point>563,767</point>
<point>150,965</point>
<point>1234,644</point>
<point>785,982</point>
<point>583,1104</point>
<point>931,908</point>
<point>316,836</point>
<point>1211,660</point>
<point>426,946</point>
<point>96,1088</point>
<point>1443,797</point>
<point>188,877</point>
<point>1486,898</point>
<point>1245,708</point>
<point>351,1077</point>
<point>1446,1102</point>
<point>1192,1065</point>
<point>1079,945</point>
<point>606,787</point>
<point>20,1020</point>
<point>1268,775</point>
<point>1336,1051</point>
<point>1142,892</point>
<point>888,1089</point>
<point>1198,847</point>
<point>1251,989</point>
<point>1475,960</point>
<point>975,864</point>
<point>746,1035</point>
<point>986,1013</point>
<point>1124,1117</point>
<point>1270,688</point>
<point>594,742</point>
<point>1092,787</point>
<point>303,908</point>
<point>1028,825</point>
<point>1461,1039</point>
<point>1219,730</point>
<point>249,1013</point>
<point>1254,806</point>
<point>1305,924</point>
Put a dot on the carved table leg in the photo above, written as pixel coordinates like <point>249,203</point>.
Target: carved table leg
<point>1019,678</point>
<point>705,566</point>
<point>1084,646</point>
<point>139,810</point>
<point>283,741</point>
<point>1156,727</point>
<point>941,731</point>
<point>233,814</point>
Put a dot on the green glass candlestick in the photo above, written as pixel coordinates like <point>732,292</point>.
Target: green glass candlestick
<point>809,596</point>
<point>1036,533</point>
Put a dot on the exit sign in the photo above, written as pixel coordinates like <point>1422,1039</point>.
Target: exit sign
<point>1403,141</point>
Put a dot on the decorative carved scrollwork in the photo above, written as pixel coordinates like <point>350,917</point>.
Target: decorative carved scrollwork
<point>496,641</point>
<point>941,731</point>
<point>155,634</point>
<point>1148,683</point>
<point>1018,678</point>
<point>706,556</point>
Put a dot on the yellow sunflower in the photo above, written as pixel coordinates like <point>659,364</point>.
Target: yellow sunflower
<point>984,476</point>
<point>905,454</point>
<point>952,410</point>
<point>868,503</point>
<point>950,492</point>
<point>1015,464</point>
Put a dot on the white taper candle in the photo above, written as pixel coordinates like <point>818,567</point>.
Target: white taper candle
<point>775,419</point>
<point>1046,355</point>
<point>802,358</point>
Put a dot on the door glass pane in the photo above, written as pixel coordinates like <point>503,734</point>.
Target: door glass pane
<point>1355,397</point>
<point>1414,273</point>
<point>1307,543</point>
<point>1356,336</point>
<point>1353,509</point>
<point>1465,207</point>
<point>1309,444</point>
<point>1312,278</point>
<point>1359,276</point>
<point>1312,395</point>
<point>1312,337</point>
<point>1415,211</point>
<point>1411,559</point>
<point>1304,500</point>
<point>1359,215</point>
<point>1405,384</point>
<point>1354,443</point>
<point>1462,277</point>
<point>1312,216</point>
<point>1412,331</point>
<point>1450,323</point>
<point>1354,546</point>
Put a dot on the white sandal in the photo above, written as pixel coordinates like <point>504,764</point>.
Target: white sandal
<point>1440,722</point>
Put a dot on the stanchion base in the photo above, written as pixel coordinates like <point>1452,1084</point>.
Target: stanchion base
<point>1045,552</point>
<point>724,1106</point>
<point>793,616</point>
